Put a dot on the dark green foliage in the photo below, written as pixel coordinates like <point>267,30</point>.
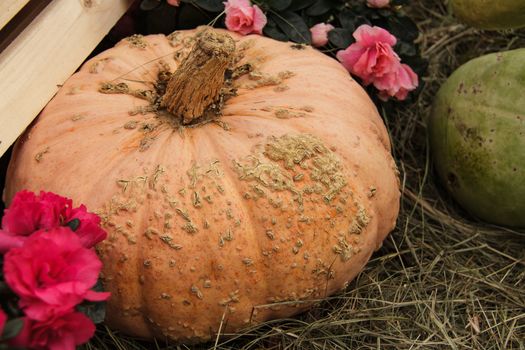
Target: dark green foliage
<point>96,311</point>
<point>73,224</point>
<point>12,328</point>
<point>207,5</point>
<point>292,25</point>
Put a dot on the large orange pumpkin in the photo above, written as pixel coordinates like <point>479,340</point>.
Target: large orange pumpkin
<point>220,215</point>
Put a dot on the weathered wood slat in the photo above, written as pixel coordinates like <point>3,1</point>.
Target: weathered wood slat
<point>20,21</point>
<point>8,10</point>
<point>45,54</point>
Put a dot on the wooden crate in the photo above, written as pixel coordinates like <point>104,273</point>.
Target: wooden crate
<point>8,10</point>
<point>42,43</point>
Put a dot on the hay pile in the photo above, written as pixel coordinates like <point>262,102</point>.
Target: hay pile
<point>441,281</point>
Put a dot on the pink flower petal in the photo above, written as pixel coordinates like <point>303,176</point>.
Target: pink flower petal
<point>56,332</point>
<point>350,56</point>
<point>373,59</point>
<point>97,296</point>
<point>319,34</point>
<point>369,36</point>
<point>3,320</point>
<point>8,241</point>
<point>378,3</point>
<point>89,230</point>
<point>52,272</point>
<point>397,83</point>
<point>259,20</point>
<point>29,213</point>
<point>243,18</point>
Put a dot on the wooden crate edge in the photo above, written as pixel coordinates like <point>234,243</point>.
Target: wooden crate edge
<point>45,54</point>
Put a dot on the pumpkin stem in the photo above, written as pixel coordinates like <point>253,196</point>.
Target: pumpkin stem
<point>197,83</point>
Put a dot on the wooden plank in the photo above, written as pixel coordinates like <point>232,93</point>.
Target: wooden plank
<point>18,23</point>
<point>8,10</point>
<point>45,54</point>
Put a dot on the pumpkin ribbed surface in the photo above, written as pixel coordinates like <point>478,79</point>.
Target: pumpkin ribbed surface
<point>278,202</point>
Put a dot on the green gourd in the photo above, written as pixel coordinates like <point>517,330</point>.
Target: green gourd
<point>490,14</point>
<point>477,137</point>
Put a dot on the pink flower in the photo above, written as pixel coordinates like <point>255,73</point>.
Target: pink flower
<point>243,18</point>
<point>64,332</point>
<point>8,241</point>
<point>373,59</point>
<point>372,55</point>
<point>29,213</point>
<point>378,3</point>
<point>397,84</point>
<point>3,320</point>
<point>52,273</point>
<point>89,229</point>
<point>174,2</point>
<point>320,34</point>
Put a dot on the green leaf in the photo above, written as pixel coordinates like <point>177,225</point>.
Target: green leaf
<point>272,30</point>
<point>95,311</point>
<point>73,224</point>
<point>387,12</point>
<point>98,287</point>
<point>403,28</point>
<point>278,5</point>
<point>190,17</point>
<point>293,26</point>
<point>399,2</point>
<point>351,20</point>
<point>348,19</point>
<point>418,64</point>
<point>321,7</point>
<point>148,5</point>
<point>4,288</point>
<point>405,49</point>
<point>12,328</point>
<point>208,5</point>
<point>341,37</point>
<point>298,5</point>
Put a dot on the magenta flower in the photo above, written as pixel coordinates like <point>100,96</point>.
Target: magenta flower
<point>62,332</point>
<point>52,273</point>
<point>29,213</point>
<point>3,320</point>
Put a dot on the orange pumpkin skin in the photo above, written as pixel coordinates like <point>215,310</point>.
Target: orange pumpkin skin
<point>224,224</point>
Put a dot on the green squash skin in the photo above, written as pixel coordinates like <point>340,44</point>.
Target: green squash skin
<point>490,14</point>
<point>477,137</point>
